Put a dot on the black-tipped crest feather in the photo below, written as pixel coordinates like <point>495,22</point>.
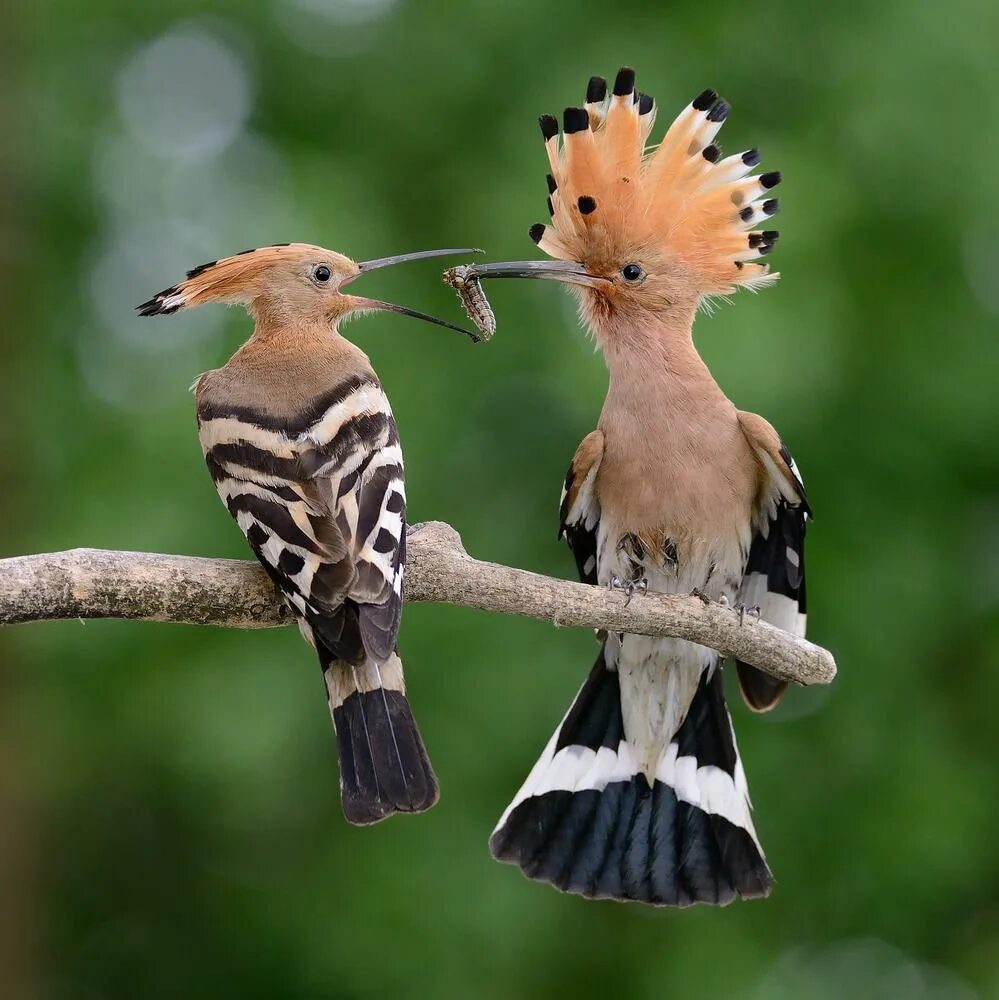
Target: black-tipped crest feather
<point>624,82</point>
<point>676,194</point>
<point>596,90</point>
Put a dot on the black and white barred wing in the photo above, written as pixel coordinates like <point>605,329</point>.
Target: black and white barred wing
<point>774,579</point>
<point>359,474</point>
<point>579,512</point>
<point>321,501</point>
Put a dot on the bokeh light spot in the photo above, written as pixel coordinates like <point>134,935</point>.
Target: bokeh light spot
<point>185,96</point>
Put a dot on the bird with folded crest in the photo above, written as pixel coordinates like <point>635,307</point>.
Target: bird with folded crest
<point>303,449</point>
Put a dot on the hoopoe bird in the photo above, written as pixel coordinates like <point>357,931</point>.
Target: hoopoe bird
<point>303,449</point>
<point>640,794</point>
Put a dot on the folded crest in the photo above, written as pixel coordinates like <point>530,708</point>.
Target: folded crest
<point>229,280</point>
<point>611,193</point>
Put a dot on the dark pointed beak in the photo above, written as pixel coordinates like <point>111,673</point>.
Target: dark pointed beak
<point>360,305</point>
<point>365,305</point>
<point>404,258</point>
<point>566,271</point>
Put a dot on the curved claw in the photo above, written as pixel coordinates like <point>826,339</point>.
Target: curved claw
<point>629,588</point>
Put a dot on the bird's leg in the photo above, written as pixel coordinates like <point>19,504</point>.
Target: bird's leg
<point>616,583</point>
<point>743,609</point>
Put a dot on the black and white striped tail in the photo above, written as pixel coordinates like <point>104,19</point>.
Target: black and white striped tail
<point>589,821</point>
<point>384,767</point>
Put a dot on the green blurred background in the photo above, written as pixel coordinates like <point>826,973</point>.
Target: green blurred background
<point>169,817</point>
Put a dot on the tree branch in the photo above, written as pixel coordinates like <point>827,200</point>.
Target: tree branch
<point>96,583</point>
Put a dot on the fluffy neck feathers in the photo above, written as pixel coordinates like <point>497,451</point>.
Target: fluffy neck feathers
<point>660,392</point>
<point>643,348</point>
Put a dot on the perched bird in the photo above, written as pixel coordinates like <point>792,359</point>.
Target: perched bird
<point>640,794</point>
<point>304,451</point>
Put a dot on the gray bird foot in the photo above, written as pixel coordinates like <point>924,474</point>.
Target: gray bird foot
<point>630,588</point>
<point>745,609</point>
<point>700,595</point>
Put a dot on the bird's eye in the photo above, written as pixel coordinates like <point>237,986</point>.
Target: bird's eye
<point>632,272</point>
<point>322,274</point>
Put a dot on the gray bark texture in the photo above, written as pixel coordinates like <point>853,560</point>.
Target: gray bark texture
<point>144,586</point>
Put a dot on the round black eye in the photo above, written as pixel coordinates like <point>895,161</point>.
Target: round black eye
<point>322,274</point>
<point>632,272</point>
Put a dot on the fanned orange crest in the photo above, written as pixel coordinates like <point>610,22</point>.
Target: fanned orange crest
<point>610,192</point>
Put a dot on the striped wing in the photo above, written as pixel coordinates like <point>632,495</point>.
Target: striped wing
<point>774,578</point>
<point>320,498</point>
<point>579,512</point>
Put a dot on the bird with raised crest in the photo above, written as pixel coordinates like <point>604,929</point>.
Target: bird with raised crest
<point>640,794</point>
<point>303,449</point>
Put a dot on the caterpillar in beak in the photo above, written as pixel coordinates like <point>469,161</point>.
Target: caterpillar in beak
<point>473,299</point>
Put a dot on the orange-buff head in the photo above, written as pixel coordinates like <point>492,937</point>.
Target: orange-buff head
<point>289,283</point>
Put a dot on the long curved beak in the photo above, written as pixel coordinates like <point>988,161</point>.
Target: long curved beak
<point>566,271</point>
<point>364,305</point>
<point>361,305</point>
<point>404,258</point>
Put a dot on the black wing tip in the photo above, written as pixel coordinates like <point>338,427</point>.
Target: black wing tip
<point>761,692</point>
<point>537,232</point>
<point>645,104</point>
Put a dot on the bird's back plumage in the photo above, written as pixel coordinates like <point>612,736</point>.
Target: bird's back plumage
<point>317,489</point>
<point>304,451</point>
